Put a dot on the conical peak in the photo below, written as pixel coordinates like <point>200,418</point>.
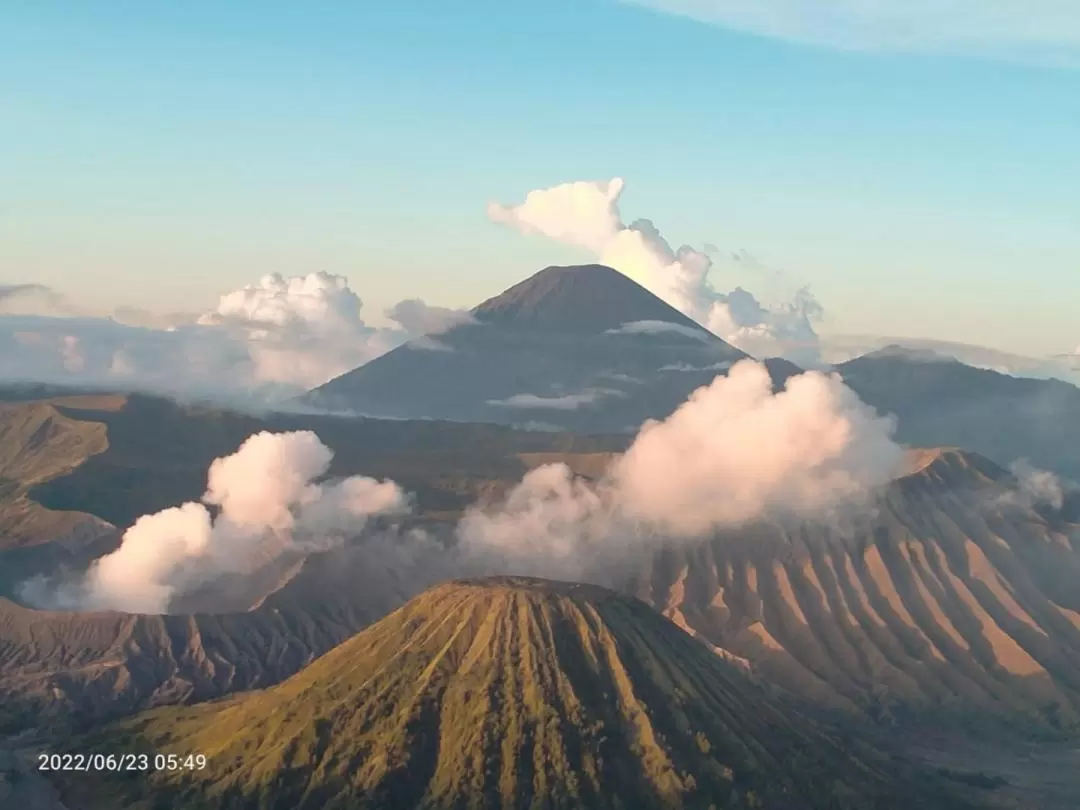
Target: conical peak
<point>578,298</point>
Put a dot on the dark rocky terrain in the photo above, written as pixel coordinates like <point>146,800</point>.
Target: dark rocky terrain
<point>580,348</point>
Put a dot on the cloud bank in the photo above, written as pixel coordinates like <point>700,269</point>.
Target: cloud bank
<point>269,340</point>
<point>1040,31</point>
<point>261,502</point>
<point>586,215</point>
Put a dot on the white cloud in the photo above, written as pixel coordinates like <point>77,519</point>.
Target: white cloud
<point>586,215</point>
<point>272,339</point>
<point>658,328</point>
<point>1035,486</point>
<point>1042,30</point>
<point>419,318</point>
<point>267,503</point>
<point>565,402</point>
<point>734,453</point>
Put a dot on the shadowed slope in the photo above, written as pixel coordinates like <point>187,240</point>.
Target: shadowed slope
<point>941,401</point>
<point>518,693</point>
<point>587,298</point>
<point>584,348</point>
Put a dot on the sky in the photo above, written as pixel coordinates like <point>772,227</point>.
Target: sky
<point>917,168</point>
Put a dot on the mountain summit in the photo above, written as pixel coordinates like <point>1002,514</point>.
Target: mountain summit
<point>519,693</point>
<point>577,348</point>
<point>584,298</point>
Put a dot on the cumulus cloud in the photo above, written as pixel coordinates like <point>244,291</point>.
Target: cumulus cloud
<point>586,215</point>
<point>418,318</point>
<point>303,330</point>
<point>734,453</point>
<point>262,502</point>
<point>270,340</point>
<point>564,402</point>
<point>1009,28</point>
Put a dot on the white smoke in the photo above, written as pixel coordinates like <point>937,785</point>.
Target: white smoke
<point>734,453</point>
<point>261,502</point>
<point>586,214</point>
<point>545,526</point>
<point>1036,487</point>
<point>268,340</point>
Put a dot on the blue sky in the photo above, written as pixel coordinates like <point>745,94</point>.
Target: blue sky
<point>159,154</point>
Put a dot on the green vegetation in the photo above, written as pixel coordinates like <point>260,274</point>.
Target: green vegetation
<point>514,693</point>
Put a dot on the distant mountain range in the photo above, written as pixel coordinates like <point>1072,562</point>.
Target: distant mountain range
<point>587,349</point>
<point>940,401</point>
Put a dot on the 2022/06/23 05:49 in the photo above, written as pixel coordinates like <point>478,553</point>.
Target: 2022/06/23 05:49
<point>118,763</point>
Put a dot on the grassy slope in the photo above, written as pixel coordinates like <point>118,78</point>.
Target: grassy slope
<point>39,441</point>
<point>516,693</point>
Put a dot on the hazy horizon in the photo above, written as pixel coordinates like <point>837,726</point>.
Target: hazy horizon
<point>164,156</point>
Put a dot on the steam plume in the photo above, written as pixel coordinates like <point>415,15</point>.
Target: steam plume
<point>267,503</point>
<point>734,453</point>
<point>1036,487</point>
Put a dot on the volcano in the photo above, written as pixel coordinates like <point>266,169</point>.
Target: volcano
<point>579,348</point>
<point>583,299</point>
<point>518,693</point>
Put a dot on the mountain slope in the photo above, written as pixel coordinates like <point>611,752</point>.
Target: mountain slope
<point>940,401</point>
<point>65,461</point>
<point>581,348</point>
<point>80,669</point>
<point>585,299</point>
<point>957,594</point>
<point>954,595</point>
<point>513,693</point>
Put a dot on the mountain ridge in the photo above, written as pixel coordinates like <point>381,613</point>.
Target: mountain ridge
<point>517,692</point>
